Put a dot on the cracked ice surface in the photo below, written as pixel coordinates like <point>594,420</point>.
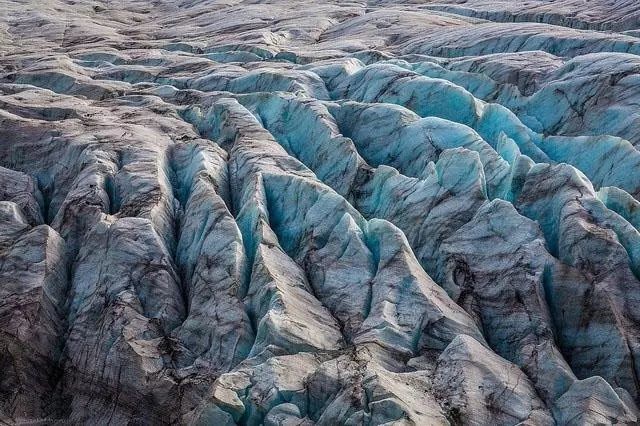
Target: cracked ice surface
<point>364,213</point>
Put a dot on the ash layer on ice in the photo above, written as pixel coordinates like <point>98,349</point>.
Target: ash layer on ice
<point>320,213</point>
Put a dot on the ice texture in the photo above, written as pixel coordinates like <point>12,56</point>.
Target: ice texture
<point>320,213</point>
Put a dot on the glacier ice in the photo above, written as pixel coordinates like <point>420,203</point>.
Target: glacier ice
<point>247,213</point>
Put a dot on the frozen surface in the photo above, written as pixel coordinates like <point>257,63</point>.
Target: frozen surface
<point>362,213</point>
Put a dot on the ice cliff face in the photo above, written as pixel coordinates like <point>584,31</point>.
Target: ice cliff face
<point>236,213</point>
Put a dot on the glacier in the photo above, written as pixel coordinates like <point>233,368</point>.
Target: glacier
<point>321,213</point>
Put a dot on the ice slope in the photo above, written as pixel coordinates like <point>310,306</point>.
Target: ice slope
<point>246,213</point>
